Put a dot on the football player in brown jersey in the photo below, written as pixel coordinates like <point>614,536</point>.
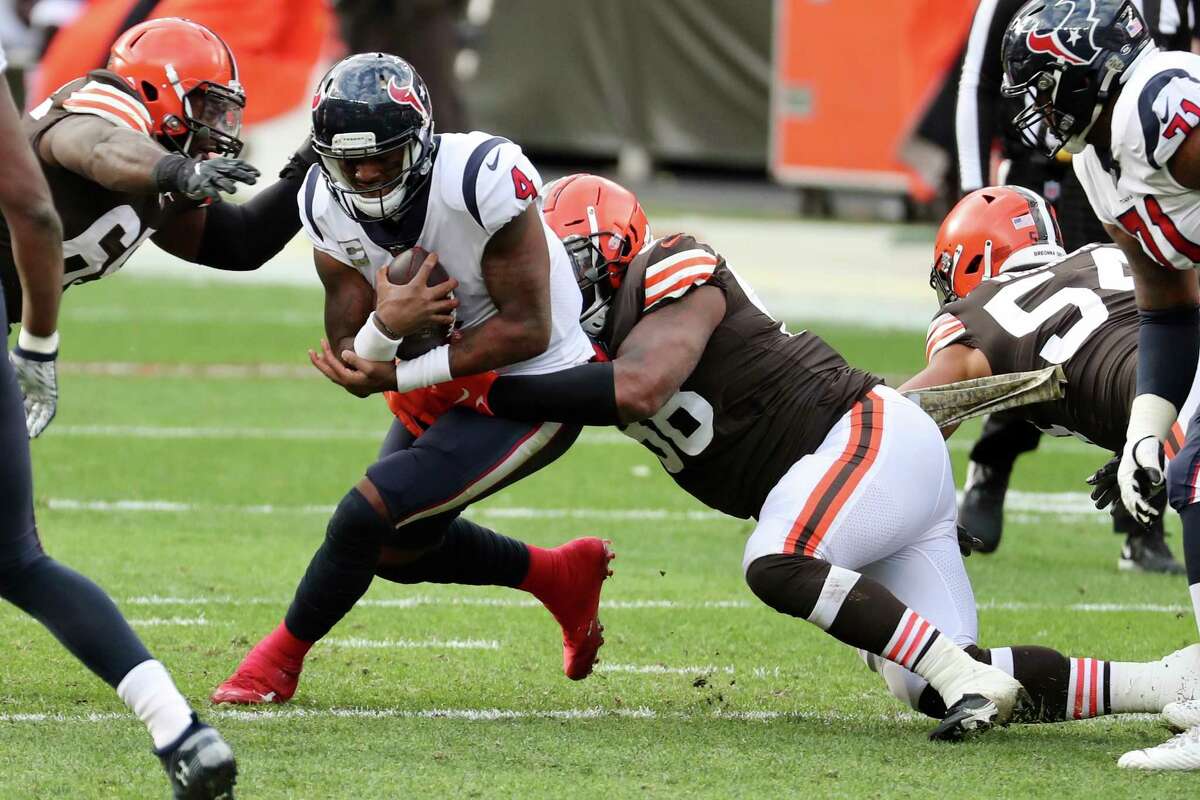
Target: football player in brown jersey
<point>835,467</point>
<point>145,149</point>
<point>198,762</point>
<point>1004,310</point>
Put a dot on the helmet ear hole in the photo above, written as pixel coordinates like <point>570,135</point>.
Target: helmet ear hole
<point>149,91</point>
<point>973,266</point>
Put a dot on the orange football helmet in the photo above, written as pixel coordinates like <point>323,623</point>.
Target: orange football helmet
<point>603,227</point>
<point>188,80</point>
<point>989,231</point>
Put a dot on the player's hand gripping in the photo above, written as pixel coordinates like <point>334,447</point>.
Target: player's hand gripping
<point>406,308</point>
<point>38,378</point>
<point>203,180</point>
<point>1140,476</point>
<point>355,374</point>
<point>1105,490</point>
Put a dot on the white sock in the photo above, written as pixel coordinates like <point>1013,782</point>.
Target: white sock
<point>151,694</point>
<point>1146,686</point>
<point>1194,591</point>
<point>944,665</point>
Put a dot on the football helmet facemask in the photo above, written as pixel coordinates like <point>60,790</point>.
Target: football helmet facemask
<point>1062,60</point>
<point>992,230</point>
<point>187,78</point>
<point>603,226</point>
<point>372,126</point>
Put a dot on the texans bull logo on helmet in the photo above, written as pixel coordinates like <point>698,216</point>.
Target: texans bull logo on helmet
<point>406,96</point>
<point>1074,45</point>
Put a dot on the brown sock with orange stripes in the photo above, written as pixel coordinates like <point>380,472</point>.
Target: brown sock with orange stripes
<point>850,607</point>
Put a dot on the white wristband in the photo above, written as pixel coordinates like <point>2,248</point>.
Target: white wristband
<point>425,370</point>
<point>373,344</point>
<point>42,345</point>
<point>1150,415</point>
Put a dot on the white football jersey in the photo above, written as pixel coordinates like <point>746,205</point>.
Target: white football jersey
<point>479,182</point>
<point>1131,186</point>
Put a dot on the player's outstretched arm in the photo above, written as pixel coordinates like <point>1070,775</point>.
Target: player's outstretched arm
<point>28,208</point>
<point>241,237</point>
<point>653,362</point>
<point>953,363</point>
<point>124,160</point>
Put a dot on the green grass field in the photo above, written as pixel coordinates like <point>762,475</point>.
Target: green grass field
<point>191,469</point>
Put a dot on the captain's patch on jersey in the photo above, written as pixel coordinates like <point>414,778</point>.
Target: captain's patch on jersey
<point>109,103</point>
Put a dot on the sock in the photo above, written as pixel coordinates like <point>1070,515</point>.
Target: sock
<point>79,614</point>
<point>853,608</point>
<point>285,647</point>
<point>1190,514</point>
<point>151,694</point>
<point>468,554</point>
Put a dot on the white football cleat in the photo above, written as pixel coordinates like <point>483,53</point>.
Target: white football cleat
<point>1182,715</point>
<point>1183,666</point>
<point>1180,752</point>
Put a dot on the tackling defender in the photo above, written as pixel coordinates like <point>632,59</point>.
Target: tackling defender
<point>198,762</point>
<point>385,183</point>
<point>836,468</point>
<point>144,149</point>
<point>1013,301</point>
<point>1096,86</point>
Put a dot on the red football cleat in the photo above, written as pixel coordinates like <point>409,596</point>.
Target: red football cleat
<point>260,678</point>
<point>568,579</point>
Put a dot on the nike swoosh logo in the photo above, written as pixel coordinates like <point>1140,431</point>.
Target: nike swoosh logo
<point>495,160</point>
<point>465,394</point>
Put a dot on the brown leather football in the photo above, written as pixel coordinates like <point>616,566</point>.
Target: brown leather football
<point>403,269</point>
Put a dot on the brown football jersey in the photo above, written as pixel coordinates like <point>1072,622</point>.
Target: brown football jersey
<point>758,400</point>
<point>101,228</point>
<point>1078,312</point>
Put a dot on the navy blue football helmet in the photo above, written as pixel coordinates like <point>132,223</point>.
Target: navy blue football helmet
<point>1062,61</point>
<point>372,126</point>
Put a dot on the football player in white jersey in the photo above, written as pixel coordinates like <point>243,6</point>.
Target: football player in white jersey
<point>1096,86</point>
<point>385,184</point>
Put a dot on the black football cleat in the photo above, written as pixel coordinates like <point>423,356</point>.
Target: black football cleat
<point>200,765</point>
<point>973,713</point>
<point>1149,552</point>
<point>982,508</point>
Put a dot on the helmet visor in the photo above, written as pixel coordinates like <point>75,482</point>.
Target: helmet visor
<point>215,116</point>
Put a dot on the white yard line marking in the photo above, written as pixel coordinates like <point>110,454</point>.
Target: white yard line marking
<point>477,715</point>
<point>661,669</point>
<point>595,436</point>
<point>1018,502</point>
<point>148,622</point>
<point>411,644</point>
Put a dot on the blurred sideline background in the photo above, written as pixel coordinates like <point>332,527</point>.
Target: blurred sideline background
<point>810,141</point>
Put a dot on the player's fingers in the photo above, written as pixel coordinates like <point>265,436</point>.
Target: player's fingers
<point>426,267</point>
<point>442,319</point>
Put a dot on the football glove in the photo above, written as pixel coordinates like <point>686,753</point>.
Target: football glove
<point>967,543</point>
<point>1105,490</point>
<point>1140,476</point>
<point>37,376</point>
<point>202,180</point>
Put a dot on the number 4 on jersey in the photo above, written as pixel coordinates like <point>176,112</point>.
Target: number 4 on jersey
<point>523,185</point>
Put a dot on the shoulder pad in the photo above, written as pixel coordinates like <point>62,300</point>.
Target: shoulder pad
<point>105,95</point>
<point>944,329</point>
<point>675,265</point>
<point>1168,107</point>
<point>498,182</point>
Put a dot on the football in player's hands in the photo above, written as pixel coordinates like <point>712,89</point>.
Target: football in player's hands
<point>402,270</point>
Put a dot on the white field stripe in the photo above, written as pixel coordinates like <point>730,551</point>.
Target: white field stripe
<point>520,601</point>
<point>189,315</point>
<point>593,436</point>
<point>660,669</point>
<point>149,622</point>
<point>1055,503</point>
<point>411,644</point>
<point>270,714</point>
<point>176,507</point>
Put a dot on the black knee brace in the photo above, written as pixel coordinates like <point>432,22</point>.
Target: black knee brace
<point>356,526</point>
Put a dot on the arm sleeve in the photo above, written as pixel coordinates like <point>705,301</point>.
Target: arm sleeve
<point>1168,348</point>
<point>244,237</point>
<point>978,104</point>
<point>582,395</point>
<point>675,266</point>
